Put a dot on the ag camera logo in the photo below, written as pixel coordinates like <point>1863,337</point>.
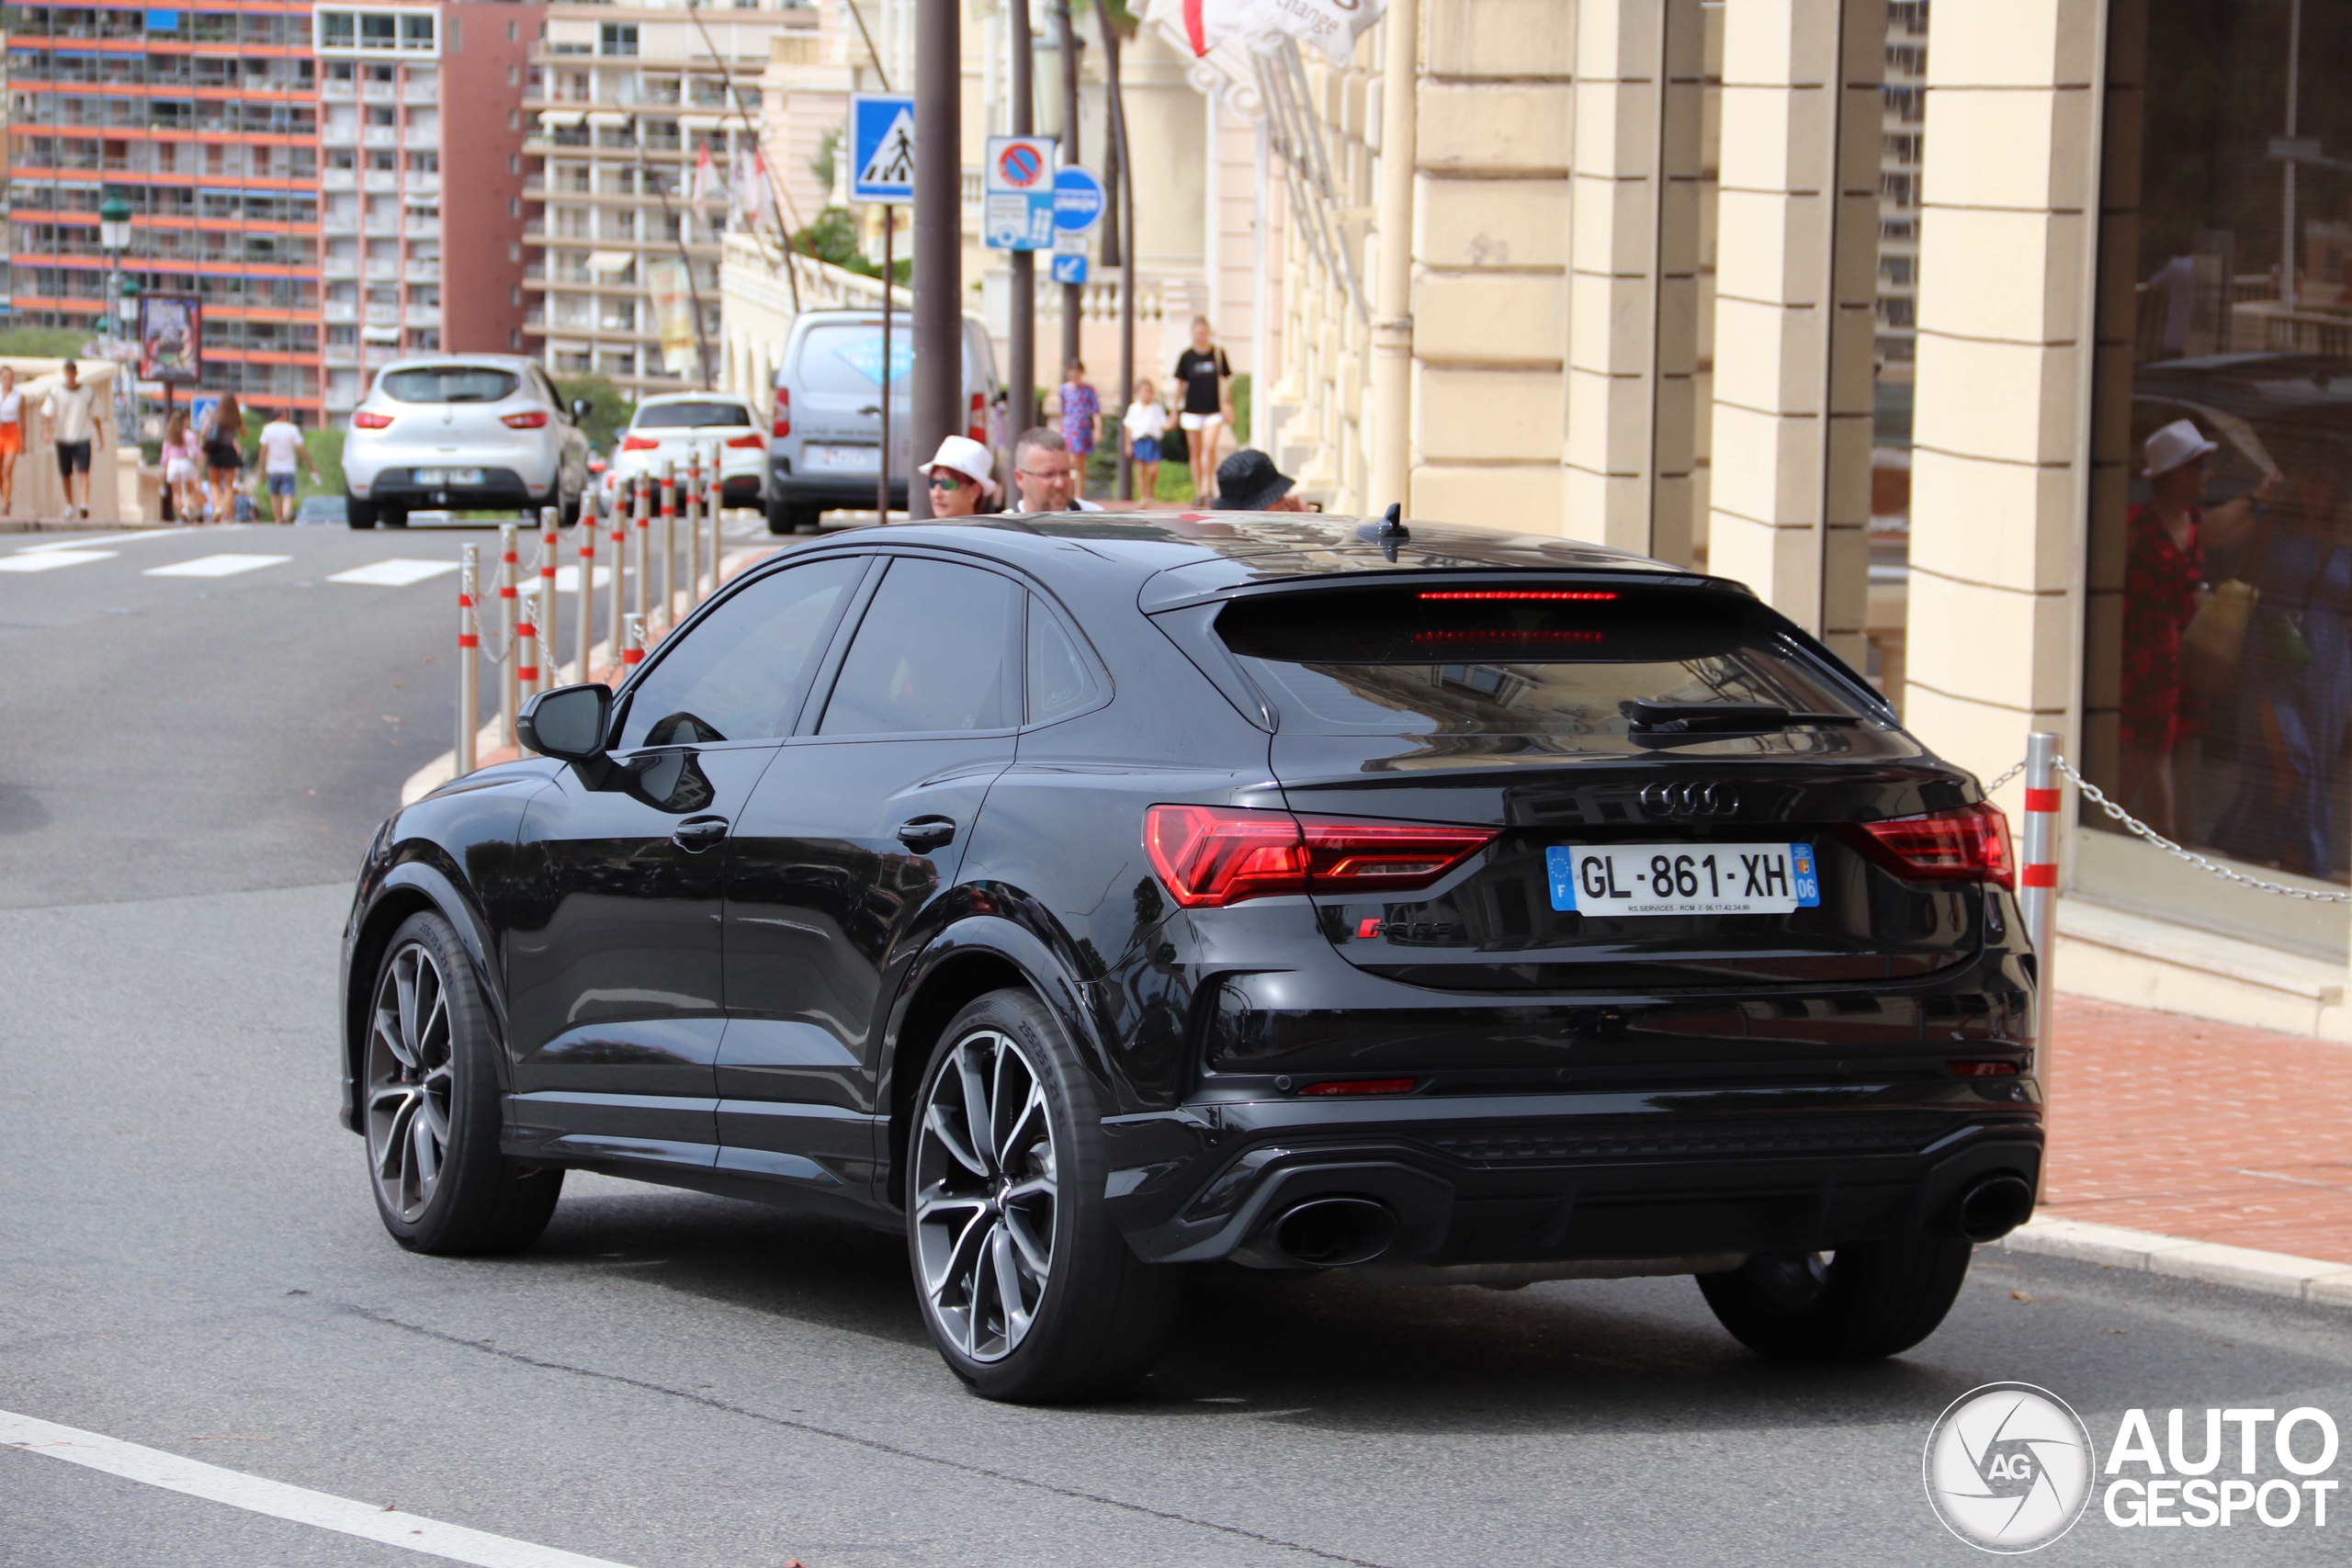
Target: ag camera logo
<point>2008,1467</point>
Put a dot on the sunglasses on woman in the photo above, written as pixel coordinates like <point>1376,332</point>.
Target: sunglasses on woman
<point>947,481</point>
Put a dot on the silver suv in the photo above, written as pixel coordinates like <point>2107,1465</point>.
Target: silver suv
<point>826,436</point>
<point>469,432</point>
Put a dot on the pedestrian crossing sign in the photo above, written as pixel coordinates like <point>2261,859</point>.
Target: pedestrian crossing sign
<point>882,147</point>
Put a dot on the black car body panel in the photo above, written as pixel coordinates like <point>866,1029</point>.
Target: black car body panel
<point>1579,1087</point>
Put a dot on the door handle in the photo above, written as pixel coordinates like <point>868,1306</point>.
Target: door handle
<point>699,833</point>
<point>924,834</point>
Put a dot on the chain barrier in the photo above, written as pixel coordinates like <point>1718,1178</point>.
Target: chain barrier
<point>2132,824</point>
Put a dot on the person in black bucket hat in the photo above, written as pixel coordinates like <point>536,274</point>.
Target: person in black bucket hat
<point>1248,481</point>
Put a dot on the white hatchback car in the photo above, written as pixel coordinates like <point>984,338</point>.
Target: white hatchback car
<point>672,425</point>
<point>472,432</point>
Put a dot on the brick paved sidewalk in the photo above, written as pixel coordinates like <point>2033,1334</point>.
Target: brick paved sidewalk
<point>2204,1130</point>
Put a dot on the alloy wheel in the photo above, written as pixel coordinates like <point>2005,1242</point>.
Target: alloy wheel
<point>985,1196</point>
<point>408,1078</point>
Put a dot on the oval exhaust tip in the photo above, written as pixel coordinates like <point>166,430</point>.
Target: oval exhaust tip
<point>1336,1233</point>
<point>1995,1207</point>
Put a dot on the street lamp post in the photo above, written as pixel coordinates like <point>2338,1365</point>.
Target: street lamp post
<point>114,238</point>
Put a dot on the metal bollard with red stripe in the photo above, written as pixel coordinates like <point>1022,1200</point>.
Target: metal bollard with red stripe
<point>717,499</point>
<point>549,538</point>
<point>632,645</point>
<point>694,540</point>
<point>669,546</point>
<point>468,661</point>
<point>583,635</point>
<point>644,543</point>
<point>510,701</point>
<point>616,541</point>
<point>2037,884</point>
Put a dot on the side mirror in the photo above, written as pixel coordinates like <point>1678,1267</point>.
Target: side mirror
<point>580,409</point>
<point>568,724</point>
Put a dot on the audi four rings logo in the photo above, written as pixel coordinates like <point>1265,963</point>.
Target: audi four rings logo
<point>1690,799</point>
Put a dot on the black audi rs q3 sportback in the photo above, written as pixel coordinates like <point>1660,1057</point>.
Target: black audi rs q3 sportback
<point>1088,896</point>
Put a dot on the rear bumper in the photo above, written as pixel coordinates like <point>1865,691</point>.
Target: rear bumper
<point>842,491</point>
<point>1541,1178</point>
<point>499,488</point>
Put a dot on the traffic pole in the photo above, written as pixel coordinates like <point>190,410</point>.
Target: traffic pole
<point>644,531</point>
<point>510,700</point>
<point>934,411</point>
<point>584,634</point>
<point>2038,890</point>
<point>617,544</point>
<point>548,540</point>
<point>468,661</point>
<point>717,504</point>
<point>670,540</point>
<point>693,531</point>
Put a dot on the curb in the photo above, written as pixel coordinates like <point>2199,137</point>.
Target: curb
<point>2311,1280</point>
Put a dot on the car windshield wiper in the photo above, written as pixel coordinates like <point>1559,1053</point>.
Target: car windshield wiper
<point>1701,718</point>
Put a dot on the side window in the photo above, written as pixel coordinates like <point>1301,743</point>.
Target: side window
<point>737,675</point>
<point>1059,679</point>
<point>935,652</point>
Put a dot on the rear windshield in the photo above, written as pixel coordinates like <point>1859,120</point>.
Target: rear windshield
<point>448,384</point>
<point>686,416</point>
<point>1563,658</point>
<point>847,357</point>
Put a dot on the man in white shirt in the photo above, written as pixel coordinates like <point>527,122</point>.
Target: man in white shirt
<point>1041,472</point>
<point>283,456</point>
<point>74,417</point>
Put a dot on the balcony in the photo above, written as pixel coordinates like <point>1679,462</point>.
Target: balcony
<point>378,93</point>
<point>339,266</point>
<point>421,90</point>
<point>379,355</point>
<point>422,228</point>
<point>422,185</point>
<point>535,321</point>
<point>334,92</point>
<point>339,313</point>
<point>382,136</point>
<point>335,133</point>
<point>339,179</point>
<point>383,315</point>
<point>420,316</point>
<point>383,269</point>
<point>425,272</point>
<point>342,354</point>
<point>338,222</point>
<point>383,182</point>
<point>422,138</point>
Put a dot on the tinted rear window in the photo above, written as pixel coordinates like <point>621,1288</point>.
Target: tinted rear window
<point>449,384</point>
<point>847,357</point>
<point>1563,658</point>
<point>688,416</point>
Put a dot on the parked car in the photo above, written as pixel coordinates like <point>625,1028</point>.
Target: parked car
<point>1090,898</point>
<point>469,432</point>
<point>671,426</point>
<point>826,423</point>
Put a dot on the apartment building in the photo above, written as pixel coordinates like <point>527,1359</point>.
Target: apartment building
<point>420,181</point>
<point>1900,143</point>
<point>621,103</point>
<point>205,121</point>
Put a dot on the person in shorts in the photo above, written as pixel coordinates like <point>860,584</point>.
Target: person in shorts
<point>283,456</point>
<point>1206,378</point>
<point>75,420</point>
<point>12,437</point>
<point>225,456</point>
<point>1145,422</point>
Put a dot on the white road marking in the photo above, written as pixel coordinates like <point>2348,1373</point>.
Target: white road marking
<point>215,566</point>
<point>76,543</point>
<point>321,1510</point>
<point>567,579</point>
<point>50,560</point>
<point>398,572</point>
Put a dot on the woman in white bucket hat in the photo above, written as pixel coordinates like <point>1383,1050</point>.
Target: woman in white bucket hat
<point>962,478</point>
<point>2164,585</point>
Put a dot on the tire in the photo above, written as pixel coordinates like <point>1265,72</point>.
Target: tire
<point>782,519</point>
<point>429,1067</point>
<point>1860,1304</point>
<point>357,513</point>
<point>1097,1315</point>
<point>393,517</point>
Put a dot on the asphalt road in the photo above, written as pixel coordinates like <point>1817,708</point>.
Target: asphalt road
<point>190,1258</point>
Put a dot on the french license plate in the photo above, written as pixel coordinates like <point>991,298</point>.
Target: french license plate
<point>1683,879</point>
<point>449,476</point>
<point>839,459</point>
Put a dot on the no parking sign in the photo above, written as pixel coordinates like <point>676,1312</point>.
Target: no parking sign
<point>1017,190</point>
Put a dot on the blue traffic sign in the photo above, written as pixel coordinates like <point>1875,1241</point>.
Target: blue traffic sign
<point>882,147</point>
<point>1078,199</point>
<point>1070,267</point>
<point>1017,194</point>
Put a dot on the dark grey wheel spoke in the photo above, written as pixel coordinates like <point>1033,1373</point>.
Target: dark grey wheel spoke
<point>984,1192</point>
<point>409,1082</point>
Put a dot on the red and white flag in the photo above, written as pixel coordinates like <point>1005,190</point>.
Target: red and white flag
<point>705,184</point>
<point>1330,25</point>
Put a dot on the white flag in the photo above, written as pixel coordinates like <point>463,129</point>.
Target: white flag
<point>1330,25</point>
<point>705,184</point>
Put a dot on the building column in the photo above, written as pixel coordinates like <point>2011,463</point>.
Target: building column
<point>1632,350</point>
<point>2001,423</point>
<point>1796,255</point>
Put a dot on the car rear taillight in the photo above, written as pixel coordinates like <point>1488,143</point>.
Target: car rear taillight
<point>976,422</point>
<point>1970,844</point>
<point>639,443</point>
<point>753,441</point>
<point>529,419</point>
<point>1214,855</point>
<point>783,426</point>
<point>363,419</point>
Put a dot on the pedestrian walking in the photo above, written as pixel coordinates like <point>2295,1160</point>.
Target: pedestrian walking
<point>962,475</point>
<point>1248,481</point>
<point>12,437</point>
<point>1145,422</point>
<point>75,418</point>
<point>283,456</point>
<point>184,467</point>
<point>1041,472</point>
<point>1081,408</point>
<point>224,455</point>
<point>1205,379</point>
